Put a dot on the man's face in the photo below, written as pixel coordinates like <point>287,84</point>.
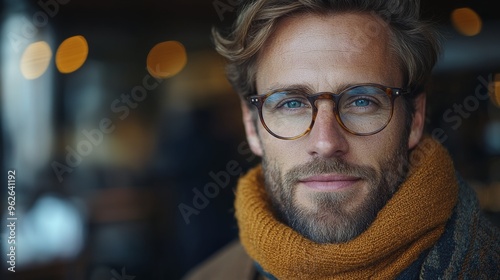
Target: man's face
<point>329,184</point>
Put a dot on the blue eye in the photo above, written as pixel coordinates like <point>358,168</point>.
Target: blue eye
<point>293,104</point>
<point>362,102</point>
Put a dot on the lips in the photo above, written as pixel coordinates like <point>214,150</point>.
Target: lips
<point>330,182</point>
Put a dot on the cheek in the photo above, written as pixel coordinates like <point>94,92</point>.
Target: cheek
<point>376,149</point>
<point>284,153</point>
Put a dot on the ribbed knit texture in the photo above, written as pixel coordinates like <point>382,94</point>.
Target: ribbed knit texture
<point>411,222</point>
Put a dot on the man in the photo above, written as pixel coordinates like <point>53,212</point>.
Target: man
<point>349,187</point>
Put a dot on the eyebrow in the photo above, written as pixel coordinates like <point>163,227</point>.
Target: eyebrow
<point>305,88</point>
<point>294,87</point>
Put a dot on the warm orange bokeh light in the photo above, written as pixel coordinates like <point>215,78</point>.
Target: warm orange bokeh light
<point>35,60</point>
<point>466,21</point>
<point>495,93</point>
<point>71,54</point>
<point>166,59</point>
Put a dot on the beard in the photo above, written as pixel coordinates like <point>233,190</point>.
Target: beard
<point>334,217</point>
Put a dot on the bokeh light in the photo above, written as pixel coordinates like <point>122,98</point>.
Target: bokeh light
<point>71,54</point>
<point>166,59</point>
<point>35,60</point>
<point>466,21</point>
<point>495,93</point>
<point>62,234</point>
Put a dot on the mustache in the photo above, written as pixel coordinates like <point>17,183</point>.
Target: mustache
<point>324,166</point>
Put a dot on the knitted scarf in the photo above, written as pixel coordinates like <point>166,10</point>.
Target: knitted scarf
<point>410,223</point>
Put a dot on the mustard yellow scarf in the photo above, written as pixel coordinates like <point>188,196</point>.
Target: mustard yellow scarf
<point>411,222</point>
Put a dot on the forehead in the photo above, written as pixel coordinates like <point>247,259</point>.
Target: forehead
<point>336,48</point>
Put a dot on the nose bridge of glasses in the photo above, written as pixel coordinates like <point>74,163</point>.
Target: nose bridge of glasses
<point>324,96</point>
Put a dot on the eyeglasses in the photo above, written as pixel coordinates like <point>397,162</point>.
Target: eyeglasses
<point>363,109</point>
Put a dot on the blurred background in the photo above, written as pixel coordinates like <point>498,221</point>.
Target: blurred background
<point>126,138</point>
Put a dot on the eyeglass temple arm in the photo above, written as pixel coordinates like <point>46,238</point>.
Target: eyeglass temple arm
<point>412,90</point>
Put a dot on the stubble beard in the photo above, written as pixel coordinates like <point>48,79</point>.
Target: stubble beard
<point>333,219</point>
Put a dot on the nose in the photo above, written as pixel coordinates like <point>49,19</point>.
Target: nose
<point>327,138</point>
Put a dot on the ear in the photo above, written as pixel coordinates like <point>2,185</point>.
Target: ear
<point>251,130</point>
<point>417,125</point>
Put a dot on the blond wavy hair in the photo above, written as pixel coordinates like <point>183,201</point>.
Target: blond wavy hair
<point>414,42</point>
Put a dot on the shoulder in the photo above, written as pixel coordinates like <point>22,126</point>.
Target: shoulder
<point>482,236</point>
<point>470,245</point>
<point>231,262</point>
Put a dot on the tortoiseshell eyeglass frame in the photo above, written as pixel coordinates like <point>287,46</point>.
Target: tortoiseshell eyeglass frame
<point>392,92</point>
